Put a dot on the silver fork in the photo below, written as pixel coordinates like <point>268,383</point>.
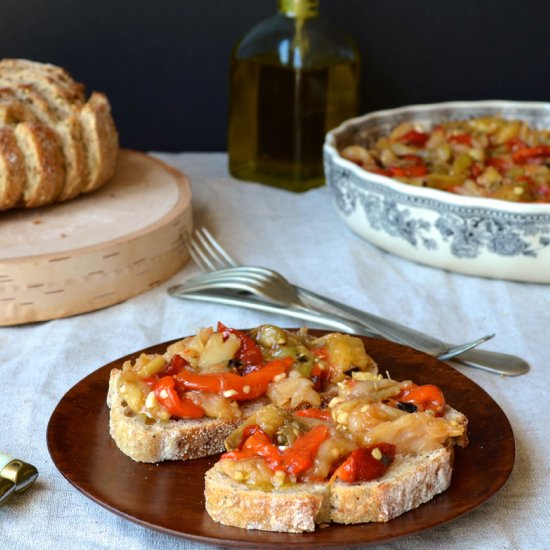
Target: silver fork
<point>210,256</point>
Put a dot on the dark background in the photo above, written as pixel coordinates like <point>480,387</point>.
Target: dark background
<point>164,64</point>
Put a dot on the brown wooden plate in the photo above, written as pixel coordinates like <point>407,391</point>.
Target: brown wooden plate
<point>168,497</point>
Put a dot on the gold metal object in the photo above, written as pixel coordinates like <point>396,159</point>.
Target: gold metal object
<point>21,474</point>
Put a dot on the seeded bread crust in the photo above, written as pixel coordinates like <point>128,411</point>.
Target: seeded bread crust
<point>171,440</point>
<point>32,92</point>
<point>409,482</point>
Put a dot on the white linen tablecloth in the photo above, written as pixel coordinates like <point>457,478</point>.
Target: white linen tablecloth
<point>302,237</point>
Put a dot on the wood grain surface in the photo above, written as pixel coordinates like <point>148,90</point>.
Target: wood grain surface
<point>168,497</point>
<point>98,249</point>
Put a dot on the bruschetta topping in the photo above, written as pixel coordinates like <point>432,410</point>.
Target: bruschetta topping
<point>210,373</point>
<point>316,451</point>
<point>375,409</point>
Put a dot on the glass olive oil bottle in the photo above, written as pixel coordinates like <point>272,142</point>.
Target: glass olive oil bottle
<point>294,77</point>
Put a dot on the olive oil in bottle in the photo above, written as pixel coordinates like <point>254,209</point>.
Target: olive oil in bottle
<point>293,78</point>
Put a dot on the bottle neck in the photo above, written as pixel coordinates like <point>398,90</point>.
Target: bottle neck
<point>299,8</point>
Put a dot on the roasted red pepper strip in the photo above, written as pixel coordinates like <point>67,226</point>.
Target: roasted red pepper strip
<point>413,137</point>
<point>366,463</point>
<point>239,388</point>
<point>168,397</point>
<point>300,456</point>
<point>462,139</point>
<point>249,354</point>
<point>294,460</point>
<point>177,364</point>
<point>425,398</point>
<point>500,163</point>
<point>476,170</point>
<point>380,171</point>
<point>413,171</point>
<point>314,413</point>
<point>257,443</point>
<point>530,154</point>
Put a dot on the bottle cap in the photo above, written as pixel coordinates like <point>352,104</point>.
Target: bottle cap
<point>20,473</point>
<point>7,488</point>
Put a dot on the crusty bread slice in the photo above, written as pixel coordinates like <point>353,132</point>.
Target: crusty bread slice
<point>101,141</point>
<point>12,169</point>
<point>171,440</point>
<point>44,163</point>
<point>409,482</point>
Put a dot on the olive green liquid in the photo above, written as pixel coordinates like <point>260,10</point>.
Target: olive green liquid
<point>279,116</point>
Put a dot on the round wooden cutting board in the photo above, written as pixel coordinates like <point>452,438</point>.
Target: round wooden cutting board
<point>98,249</point>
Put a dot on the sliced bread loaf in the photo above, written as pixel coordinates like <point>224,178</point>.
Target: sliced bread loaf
<point>84,131</point>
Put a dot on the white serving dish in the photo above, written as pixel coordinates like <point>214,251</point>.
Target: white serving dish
<point>472,235</point>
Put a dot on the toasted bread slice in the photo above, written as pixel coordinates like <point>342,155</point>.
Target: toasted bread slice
<point>409,482</point>
<point>170,440</point>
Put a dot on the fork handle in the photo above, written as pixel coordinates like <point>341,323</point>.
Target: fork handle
<point>492,361</point>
